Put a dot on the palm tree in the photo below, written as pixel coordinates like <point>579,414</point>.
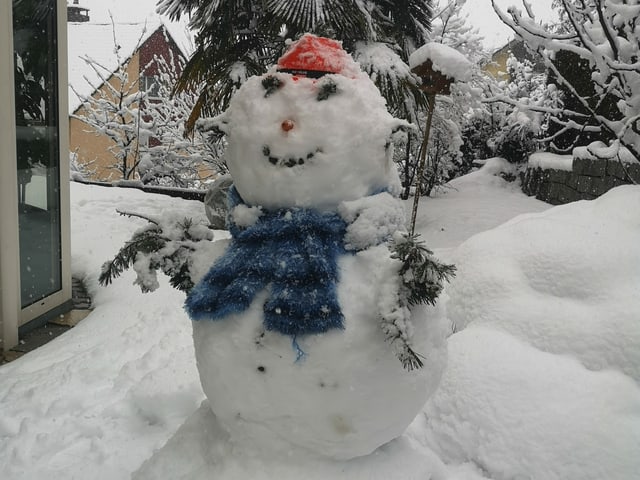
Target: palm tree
<point>239,38</point>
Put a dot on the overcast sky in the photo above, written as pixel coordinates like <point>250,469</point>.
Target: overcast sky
<point>481,14</point>
<point>496,33</point>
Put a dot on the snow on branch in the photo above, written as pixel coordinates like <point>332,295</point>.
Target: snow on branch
<point>605,36</point>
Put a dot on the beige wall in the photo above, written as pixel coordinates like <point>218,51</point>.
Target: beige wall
<point>91,147</point>
<point>497,67</point>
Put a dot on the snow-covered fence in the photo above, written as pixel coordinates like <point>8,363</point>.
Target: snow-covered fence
<point>559,179</point>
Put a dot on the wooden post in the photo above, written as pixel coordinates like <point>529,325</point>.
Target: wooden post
<point>433,83</point>
<point>431,98</point>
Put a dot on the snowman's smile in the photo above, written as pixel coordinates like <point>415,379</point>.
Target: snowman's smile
<point>288,161</point>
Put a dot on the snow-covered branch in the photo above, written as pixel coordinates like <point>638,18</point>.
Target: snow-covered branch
<point>603,39</point>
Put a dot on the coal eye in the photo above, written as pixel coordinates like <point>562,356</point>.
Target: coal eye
<point>327,88</point>
<point>271,84</point>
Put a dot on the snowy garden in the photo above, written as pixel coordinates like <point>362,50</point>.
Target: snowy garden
<point>384,300</point>
<point>541,378</point>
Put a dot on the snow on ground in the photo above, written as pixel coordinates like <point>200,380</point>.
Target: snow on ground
<point>540,382</point>
<point>95,402</point>
<point>470,204</point>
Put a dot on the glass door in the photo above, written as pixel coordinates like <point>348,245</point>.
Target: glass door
<point>38,148</point>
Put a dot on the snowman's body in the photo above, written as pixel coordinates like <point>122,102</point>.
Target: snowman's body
<point>342,392</point>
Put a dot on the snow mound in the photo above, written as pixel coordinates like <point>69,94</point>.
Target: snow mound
<point>566,280</point>
<point>600,151</point>
<point>516,412</point>
<point>545,161</point>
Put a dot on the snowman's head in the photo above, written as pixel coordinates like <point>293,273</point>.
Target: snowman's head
<point>300,137</point>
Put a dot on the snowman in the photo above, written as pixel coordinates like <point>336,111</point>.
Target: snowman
<point>304,334</point>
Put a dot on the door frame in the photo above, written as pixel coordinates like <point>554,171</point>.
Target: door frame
<point>12,316</point>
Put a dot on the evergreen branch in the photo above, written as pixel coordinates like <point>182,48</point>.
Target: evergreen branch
<point>422,275</point>
<point>164,246</point>
<point>124,213</point>
<point>145,241</point>
<point>421,279</point>
<point>410,359</point>
<point>180,278</point>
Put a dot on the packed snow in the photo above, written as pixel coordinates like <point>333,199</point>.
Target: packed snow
<point>298,141</point>
<point>546,161</point>
<point>121,388</point>
<point>598,150</point>
<point>304,337</point>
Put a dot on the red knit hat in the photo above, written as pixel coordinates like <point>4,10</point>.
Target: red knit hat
<point>313,56</point>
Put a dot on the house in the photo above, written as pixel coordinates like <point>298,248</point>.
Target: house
<point>113,47</point>
<point>497,66</point>
<point>35,278</point>
<point>77,12</point>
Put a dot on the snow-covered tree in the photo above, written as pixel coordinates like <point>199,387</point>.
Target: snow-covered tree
<point>236,40</point>
<point>113,110</point>
<point>79,171</point>
<point>145,123</point>
<point>605,35</point>
<point>452,27</point>
<point>518,130</point>
<point>169,156</point>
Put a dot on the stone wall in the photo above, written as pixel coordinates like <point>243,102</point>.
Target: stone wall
<point>588,179</point>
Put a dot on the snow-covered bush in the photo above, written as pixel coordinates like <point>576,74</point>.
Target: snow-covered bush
<point>79,171</point>
<point>510,124</point>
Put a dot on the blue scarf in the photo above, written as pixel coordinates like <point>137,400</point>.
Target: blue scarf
<point>292,252</point>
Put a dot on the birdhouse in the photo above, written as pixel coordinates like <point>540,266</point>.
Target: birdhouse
<point>438,66</point>
<point>433,81</point>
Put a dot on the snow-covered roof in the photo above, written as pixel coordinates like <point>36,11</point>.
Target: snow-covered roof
<point>98,41</point>
<point>446,60</point>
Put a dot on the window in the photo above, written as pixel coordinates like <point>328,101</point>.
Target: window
<point>151,86</point>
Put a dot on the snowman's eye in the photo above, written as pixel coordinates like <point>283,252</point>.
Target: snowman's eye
<point>271,84</point>
<point>327,88</point>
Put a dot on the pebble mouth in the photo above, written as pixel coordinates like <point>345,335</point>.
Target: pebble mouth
<point>288,162</point>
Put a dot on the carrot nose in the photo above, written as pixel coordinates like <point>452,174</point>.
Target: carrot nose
<point>287,125</point>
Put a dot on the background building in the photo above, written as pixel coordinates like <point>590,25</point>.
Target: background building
<point>112,48</point>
